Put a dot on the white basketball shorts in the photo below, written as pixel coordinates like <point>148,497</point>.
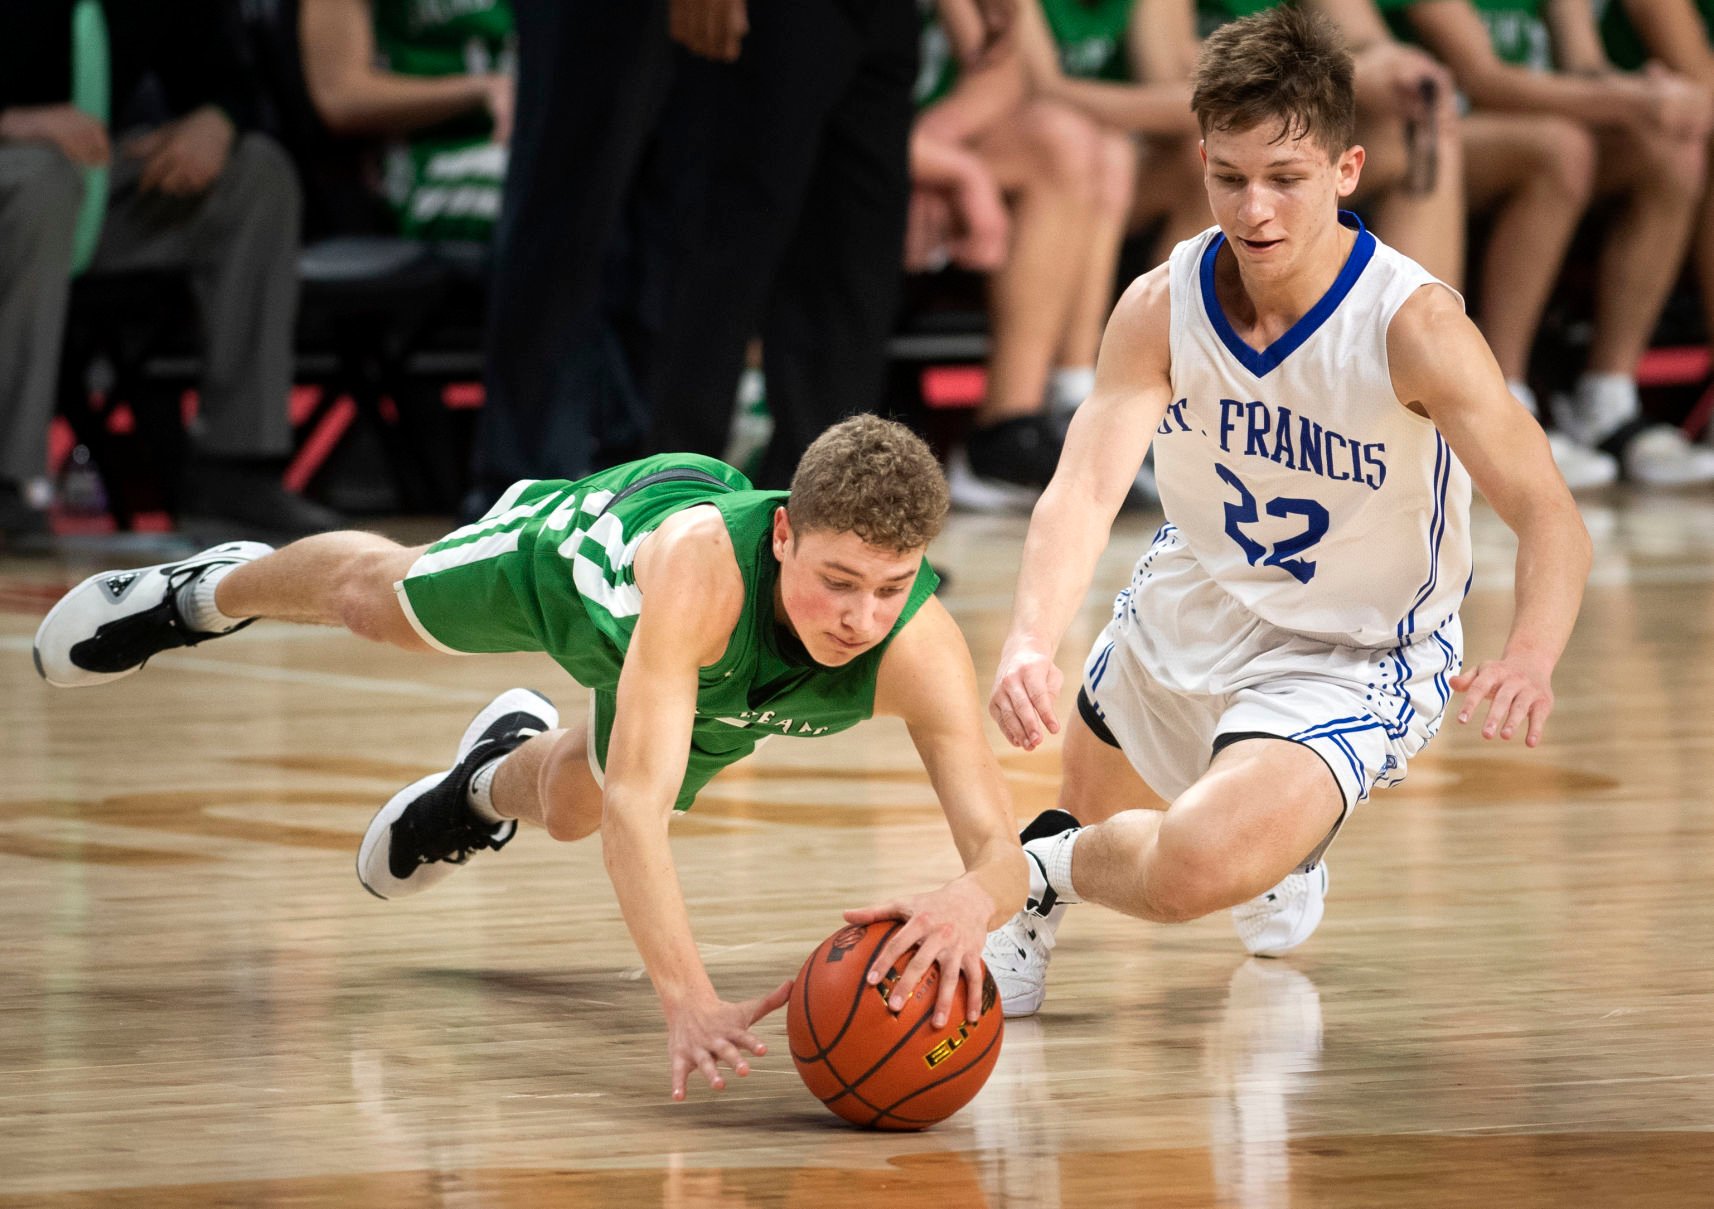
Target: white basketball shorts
<point>1183,668</point>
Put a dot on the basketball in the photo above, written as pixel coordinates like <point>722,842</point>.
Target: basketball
<point>873,1067</point>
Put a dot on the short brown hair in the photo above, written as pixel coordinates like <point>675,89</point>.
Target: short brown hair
<point>1286,65</point>
<point>872,477</point>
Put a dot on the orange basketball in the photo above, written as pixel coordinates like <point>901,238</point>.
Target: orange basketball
<point>871,1066</point>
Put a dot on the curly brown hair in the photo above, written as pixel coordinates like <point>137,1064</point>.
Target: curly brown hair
<point>1285,65</point>
<point>872,477</point>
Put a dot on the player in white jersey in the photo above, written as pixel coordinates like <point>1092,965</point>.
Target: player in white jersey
<point>1319,405</point>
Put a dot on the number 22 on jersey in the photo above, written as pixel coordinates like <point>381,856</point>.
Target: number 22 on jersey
<point>1285,551</point>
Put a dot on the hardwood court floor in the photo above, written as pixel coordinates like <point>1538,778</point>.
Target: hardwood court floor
<point>1511,1002</point>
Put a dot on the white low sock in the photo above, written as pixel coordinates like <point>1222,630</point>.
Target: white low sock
<point>1050,865</point>
<point>481,792</point>
<point>1523,394</point>
<point>1071,385</point>
<point>196,601</point>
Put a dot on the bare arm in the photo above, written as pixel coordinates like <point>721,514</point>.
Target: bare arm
<point>926,678</point>
<point>1162,108</point>
<point>354,96</point>
<point>1441,363</point>
<point>1576,42</point>
<point>1453,31</point>
<point>692,597</point>
<point>1674,34</point>
<point>1068,530</point>
<point>986,93</point>
<point>1389,74</point>
<point>1162,40</point>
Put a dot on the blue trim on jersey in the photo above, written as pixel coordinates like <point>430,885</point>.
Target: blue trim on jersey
<point>1260,363</point>
<point>1436,535</point>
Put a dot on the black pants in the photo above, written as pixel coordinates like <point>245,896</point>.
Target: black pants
<point>592,77</point>
<point>800,227</point>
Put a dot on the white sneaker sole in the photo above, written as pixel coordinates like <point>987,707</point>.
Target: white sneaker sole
<point>51,650</point>
<point>372,868</point>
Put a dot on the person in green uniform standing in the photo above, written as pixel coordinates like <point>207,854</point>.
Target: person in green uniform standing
<point>437,79</point>
<point>704,615</point>
<point>1635,140</point>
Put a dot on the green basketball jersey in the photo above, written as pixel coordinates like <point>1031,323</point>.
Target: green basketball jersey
<point>551,568</point>
<point>1090,35</point>
<point>445,182</point>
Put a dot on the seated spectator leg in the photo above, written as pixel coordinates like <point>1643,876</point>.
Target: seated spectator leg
<point>239,241</point>
<point>1047,161</point>
<point>1532,174</point>
<point>40,192</point>
<point>1657,180</point>
<point>1115,191</point>
<point>1426,224</point>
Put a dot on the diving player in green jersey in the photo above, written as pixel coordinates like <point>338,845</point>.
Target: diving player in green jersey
<point>704,616</point>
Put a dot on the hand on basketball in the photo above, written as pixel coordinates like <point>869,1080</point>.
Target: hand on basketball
<point>704,1034</point>
<point>1519,693</point>
<point>947,928</point>
<point>1024,692</point>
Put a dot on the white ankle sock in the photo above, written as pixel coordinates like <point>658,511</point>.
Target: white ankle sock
<point>196,601</point>
<point>481,792</point>
<point>1050,865</point>
<point>1523,394</point>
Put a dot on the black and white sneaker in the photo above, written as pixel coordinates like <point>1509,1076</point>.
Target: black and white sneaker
<point>427,829</point>
<point>111,624</point>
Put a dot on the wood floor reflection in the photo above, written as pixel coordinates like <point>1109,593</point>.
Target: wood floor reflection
<point>1511,1001</point>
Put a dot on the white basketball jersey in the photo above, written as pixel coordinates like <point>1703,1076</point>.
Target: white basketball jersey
<point>1294,474</point>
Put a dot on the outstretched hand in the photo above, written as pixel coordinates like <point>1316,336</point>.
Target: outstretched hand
<point>1520,694</point>
<point>705,1034</point>
<point>1024,692</point>
<point>947,928</point>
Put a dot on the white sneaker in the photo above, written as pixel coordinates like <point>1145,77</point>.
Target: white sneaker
<point>1284,917</point>
<point>427,830</point>
<point>1598,406</point>
<point>1016,955</point>
<point>1582,468</point>
<point>110,624</point>
<point>972,493</point>
<point>1660,456</point>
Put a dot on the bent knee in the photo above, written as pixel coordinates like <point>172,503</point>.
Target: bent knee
<point>366,599</point>
<point>1116,172</point>
<point>1064,146</point>
<point>1567,156</point>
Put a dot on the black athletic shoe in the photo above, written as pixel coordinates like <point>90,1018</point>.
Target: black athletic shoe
<point>427,829</point>
<point>110,624</point>
<point>1022,451</point>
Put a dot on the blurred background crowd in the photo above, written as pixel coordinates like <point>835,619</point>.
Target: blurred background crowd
<point>271,263</point>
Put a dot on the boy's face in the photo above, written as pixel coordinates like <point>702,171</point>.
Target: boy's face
<point>1275,199</point>
<point>839,594</point>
